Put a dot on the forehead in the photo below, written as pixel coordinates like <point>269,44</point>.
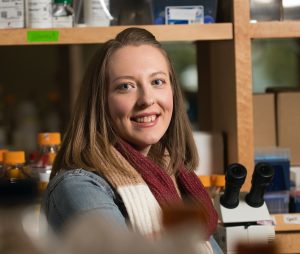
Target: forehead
<point>137,57</point>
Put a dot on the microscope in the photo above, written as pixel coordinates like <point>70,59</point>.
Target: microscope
<point>244,217</point>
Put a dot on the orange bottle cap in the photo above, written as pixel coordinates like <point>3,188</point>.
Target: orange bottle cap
<point>206,180</point>
<point>2,151</point>
<point>49,138</point>
<point>218,180</point>
<point>14,157</point>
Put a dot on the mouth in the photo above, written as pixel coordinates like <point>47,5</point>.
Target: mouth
<point>145,119</point>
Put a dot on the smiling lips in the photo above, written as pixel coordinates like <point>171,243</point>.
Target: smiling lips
<point>145,119</point>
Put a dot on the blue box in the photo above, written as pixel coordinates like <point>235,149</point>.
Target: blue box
<point>184,15</point>
<point>158,8</point>
<point>277,202</point>
<point>279,159</point>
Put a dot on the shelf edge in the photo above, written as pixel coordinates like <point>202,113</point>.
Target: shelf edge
<point>275,29</point>
<point>93,35</point>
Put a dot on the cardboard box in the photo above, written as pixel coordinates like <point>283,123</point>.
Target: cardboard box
<point>288,123</point>
<point>264,120</point>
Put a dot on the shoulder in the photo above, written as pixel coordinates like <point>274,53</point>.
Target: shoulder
<point>82,177</point>
<point>76,191</point>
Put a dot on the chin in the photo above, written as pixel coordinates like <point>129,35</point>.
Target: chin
<point>146,142</point>
<point>150,141</point>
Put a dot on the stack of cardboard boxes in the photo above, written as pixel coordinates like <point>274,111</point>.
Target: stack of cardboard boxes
<point>277,124</point>
<point>277,121</point>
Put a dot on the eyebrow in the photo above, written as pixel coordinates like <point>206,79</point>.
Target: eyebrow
<point>158,72</point>
<point>131,77</point>
<point>122,77</point>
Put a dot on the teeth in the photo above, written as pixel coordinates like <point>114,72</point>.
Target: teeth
<point>146,119</point>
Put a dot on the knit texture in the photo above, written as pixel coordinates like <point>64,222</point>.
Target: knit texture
<point>163,188</point>
<point>144,212</point>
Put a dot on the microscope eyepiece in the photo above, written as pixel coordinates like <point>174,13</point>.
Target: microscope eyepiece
<point>261,178</point>
<point>235,178</point>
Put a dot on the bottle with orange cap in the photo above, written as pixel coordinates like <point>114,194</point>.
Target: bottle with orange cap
<point>14,166</point>
<point>206,181</point>
<point>49,143</point>
<point>213,183</point>
<point>218,184</point>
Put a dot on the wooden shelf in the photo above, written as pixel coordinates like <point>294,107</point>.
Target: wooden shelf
<point>89,35</point>
<point>287,232</point>
<point>274,29</point>
<point>288,243</point>
<point>287,222</point>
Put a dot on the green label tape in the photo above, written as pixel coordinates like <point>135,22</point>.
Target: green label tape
<point>43,36</point>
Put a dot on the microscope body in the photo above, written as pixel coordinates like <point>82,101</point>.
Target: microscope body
<point>244,217</point>
<point>243,224</point>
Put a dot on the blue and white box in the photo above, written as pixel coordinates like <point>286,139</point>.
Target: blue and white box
<point>192,14</point>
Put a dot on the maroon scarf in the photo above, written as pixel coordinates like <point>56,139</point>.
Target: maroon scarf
<point>163,188</point>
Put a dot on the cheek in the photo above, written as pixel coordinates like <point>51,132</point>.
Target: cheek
<point>118,107</point>
<point>167,101</point>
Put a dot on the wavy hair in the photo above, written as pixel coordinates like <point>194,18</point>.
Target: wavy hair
<point>89,138</point>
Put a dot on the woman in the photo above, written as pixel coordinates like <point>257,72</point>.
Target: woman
<point>129,149</point>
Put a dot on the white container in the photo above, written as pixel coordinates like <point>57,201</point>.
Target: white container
<point>210,146</point>
<point>262,10</point>
<point>95,14</point>
<point>12,14</point>
<point>38,13</point>
<point>62,15</point>
<point>291,9</point>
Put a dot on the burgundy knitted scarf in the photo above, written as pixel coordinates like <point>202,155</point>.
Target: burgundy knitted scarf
<point>163,188</point>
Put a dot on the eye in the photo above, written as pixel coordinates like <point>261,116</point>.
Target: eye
<point>124,87</point>
<point>158,82</point>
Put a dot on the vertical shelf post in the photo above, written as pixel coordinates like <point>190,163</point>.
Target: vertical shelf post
<point>243,79</point>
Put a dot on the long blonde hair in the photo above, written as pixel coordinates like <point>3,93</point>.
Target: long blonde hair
<point>89,138</point>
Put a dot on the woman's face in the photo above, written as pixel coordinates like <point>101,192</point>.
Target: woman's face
<point>140,97</point>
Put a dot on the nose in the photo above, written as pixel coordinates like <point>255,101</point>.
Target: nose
<point>145,96</point>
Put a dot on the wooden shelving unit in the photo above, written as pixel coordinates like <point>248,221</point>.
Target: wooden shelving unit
<point>225,71</point>
<point>224,66</point>
<point>274,29</point>
<point>89,35</point>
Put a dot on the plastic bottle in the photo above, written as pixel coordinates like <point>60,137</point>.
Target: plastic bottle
<point>218,184</point>
<point>14,166</point>
<point>96,12</point>
<point>214,184</point>
<point>49,143</point>
<point>206,181</point>
<point>62,13</point>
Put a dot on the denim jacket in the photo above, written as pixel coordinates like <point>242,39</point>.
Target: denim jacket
<point>72,192</point>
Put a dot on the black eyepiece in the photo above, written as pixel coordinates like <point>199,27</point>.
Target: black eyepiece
<point>235,178</point>
<point>261,178</point>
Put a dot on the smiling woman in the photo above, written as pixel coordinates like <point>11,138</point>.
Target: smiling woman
<point>129,149</point>
<point>140,97</point>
